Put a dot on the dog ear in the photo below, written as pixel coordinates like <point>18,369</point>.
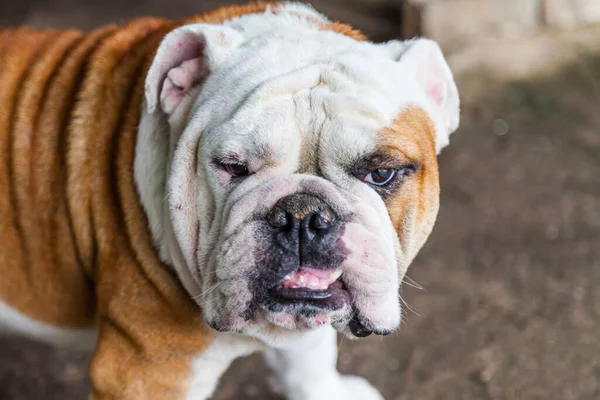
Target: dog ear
<point>426,63</point>
<point>183,61</point>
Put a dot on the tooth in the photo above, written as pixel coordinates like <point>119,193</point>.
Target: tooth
<point>335,275</point>
<point>314,282</point>
<point>308,282</point>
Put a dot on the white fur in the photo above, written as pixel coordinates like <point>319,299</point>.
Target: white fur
<point>11,321</point>
<point>304,363</point>
<point>307,370</point>
<point>211,364</point>
<point>425,61</point>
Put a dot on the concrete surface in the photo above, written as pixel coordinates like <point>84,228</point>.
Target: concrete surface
<point>569,13</point>
<point>455,23</point>
<point>511,275</point>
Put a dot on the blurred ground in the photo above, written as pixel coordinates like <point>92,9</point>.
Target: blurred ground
<point>511,275</point>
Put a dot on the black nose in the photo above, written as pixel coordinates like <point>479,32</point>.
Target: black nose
<point>304,213</point>
<point>305,233</point>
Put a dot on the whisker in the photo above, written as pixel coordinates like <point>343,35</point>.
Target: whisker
<point>411,282</point>
<point>404,320</point>
<point>408,307</point>
<point>202,295</point>
<point>342,337</point>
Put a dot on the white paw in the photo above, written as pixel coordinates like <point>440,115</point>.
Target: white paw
<point>358,388</point>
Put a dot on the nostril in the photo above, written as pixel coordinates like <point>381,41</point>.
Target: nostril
<point>278,218</point>
<point>319,222</point>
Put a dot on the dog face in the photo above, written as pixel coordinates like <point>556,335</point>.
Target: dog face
<point>299,165</point>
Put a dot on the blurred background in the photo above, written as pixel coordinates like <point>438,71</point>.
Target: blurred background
<point>504,300</point>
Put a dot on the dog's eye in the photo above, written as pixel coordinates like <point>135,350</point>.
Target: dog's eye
<point>236,170</point>
<point>380,177</point>
<point>383,176</point>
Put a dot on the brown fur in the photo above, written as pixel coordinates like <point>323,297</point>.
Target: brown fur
<point>414,207</point>
<point>345,30</point>
<point>75,249</point>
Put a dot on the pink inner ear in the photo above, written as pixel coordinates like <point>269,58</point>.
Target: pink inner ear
<point>180,80</point>
<point>437,92</point>
<point>430,78</point>
<point>182,51</point>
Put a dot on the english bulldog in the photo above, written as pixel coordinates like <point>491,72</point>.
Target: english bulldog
<point>178,194</point>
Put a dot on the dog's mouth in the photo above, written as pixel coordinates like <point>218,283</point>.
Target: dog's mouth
<point>309,281</point>
<point>314,293</point>
<point>311,288</point>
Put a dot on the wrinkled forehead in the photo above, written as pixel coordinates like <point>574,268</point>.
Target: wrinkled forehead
<point>295,97</point>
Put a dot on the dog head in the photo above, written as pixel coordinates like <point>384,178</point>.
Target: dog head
<point>289,171</point>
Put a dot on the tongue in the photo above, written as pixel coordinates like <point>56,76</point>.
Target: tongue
<point>310,278</point>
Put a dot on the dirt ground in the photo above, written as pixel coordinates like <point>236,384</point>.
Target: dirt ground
<point>510,305</point>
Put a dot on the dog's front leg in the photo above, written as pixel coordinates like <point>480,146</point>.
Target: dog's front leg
<point>307,370</point>
<point>123,373</point>
<point>210,365</point>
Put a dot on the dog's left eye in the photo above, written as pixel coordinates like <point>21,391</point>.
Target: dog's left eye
<point>380,177</point>
<point>383,176</point>
<point>236,170</point>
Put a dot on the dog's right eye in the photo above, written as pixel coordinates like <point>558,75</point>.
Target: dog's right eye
<point>236,170</point>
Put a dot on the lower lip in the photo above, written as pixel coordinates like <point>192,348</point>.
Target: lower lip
<point>301,294</point>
